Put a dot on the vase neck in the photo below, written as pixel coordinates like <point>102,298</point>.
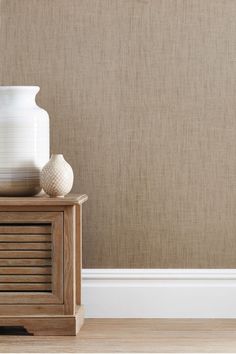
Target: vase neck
<point>57,157</point>
<point>18,96</point>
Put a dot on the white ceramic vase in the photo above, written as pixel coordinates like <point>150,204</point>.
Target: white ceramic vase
<point>57,177</point>
<point>24,141</point>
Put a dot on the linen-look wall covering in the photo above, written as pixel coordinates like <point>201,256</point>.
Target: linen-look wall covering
<point>142,100</point>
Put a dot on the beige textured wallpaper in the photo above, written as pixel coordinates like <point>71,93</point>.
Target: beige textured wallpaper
<point>142,100</point>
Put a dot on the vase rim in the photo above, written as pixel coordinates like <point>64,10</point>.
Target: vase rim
<point>55,156</point>
<point>2,87</point>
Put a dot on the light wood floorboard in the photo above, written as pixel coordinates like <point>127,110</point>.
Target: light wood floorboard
<point>133,335</point>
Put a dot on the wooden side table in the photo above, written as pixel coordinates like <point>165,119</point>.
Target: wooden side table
<point>40,264</point>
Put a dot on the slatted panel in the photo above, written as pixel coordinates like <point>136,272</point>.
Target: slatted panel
<point>25,287</point>
<point>42,278</point>
<point>25,254</point>
<point>25,238</point>
<point>25,270</point>
<point>25,257</point>
<point>25,262</point>
<point>25,229</point>
<point>42,246</point>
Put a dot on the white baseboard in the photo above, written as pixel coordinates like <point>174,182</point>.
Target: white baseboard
<point>159,293</point>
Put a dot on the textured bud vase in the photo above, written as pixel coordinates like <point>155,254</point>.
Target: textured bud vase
<point>57,177</point>
<point>24,141</point>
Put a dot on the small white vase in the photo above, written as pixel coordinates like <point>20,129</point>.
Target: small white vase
<point>24,141</point>
<point>57,177</point>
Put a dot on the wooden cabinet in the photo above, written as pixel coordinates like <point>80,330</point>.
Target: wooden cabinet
<point>40,264</point>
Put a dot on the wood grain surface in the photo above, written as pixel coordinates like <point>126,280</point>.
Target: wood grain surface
<point>133,336</point>
<point>141,96</point>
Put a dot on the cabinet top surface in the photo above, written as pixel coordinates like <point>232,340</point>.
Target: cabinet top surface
<point>43,199</point>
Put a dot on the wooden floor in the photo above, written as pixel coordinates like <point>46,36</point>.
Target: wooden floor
<point>132,335</point>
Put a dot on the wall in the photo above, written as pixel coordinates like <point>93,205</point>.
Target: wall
<point>142,100</point>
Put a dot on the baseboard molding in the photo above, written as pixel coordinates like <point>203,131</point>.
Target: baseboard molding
<point>159,293</point>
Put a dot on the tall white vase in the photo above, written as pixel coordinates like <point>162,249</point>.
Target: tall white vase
<point>24,141</point>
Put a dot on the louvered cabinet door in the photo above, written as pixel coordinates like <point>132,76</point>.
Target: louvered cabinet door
<point>31,258</point>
